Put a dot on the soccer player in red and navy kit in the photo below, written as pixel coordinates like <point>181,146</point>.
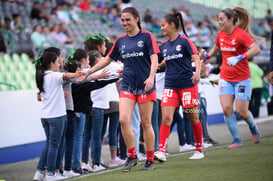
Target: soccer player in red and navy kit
<point>178,52</point>
<point>138,50</point>
<point>236,46</point>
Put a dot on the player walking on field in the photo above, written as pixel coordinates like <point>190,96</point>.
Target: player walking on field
<point>178,52</point>
<point>236,45</point>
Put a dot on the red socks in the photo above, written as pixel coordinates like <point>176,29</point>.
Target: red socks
<point>163,137</point>
<point>132,152</point>
<point>198,135</point>
<point>150,155</point>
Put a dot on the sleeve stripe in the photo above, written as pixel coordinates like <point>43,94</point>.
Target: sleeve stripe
<point>193,47</point>
<point>155,46</point>
<point>110,52</point>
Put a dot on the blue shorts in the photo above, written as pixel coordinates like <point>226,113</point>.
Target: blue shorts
<point>241,90</point>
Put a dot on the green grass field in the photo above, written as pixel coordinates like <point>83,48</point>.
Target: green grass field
<point>250,162</point>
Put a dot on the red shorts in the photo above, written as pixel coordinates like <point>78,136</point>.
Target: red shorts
<point>173,97</point>
<point>139,98</point>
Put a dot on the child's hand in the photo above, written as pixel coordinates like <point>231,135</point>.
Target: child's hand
<point>78,73</point>
<point>83,76</point>
<point>120,73</point>
<point>104,74</point>
<point>66,94</point>
<point>216,82</point>
<point>39,98</point>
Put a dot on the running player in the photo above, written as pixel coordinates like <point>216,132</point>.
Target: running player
<point>236,46</point>
<point>138,50</point>
<point>178,53</point>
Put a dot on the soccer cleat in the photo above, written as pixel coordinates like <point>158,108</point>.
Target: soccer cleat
<point>86,167</point>
<point>160,156</point>
<point>256,135</point>
<point>186,147</point>
<point>149,165</point>
<point>141,156</point>
<point>129,164</point>
<point>236,144</point>
<point>71,173</point>
<point>38,176</point>
<point>197,155</point>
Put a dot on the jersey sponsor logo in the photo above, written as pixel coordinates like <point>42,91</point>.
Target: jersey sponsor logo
<point>140,43</point>
<point>133,54</point>
<point>186,98</point>
<point>227,49</point>
<point>173,56</point>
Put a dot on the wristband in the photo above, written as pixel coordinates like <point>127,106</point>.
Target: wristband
<point>207,55</point>
<point>243,56</point>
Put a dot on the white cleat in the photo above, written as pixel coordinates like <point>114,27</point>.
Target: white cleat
<point>160,156</point>
<point>197,155</point>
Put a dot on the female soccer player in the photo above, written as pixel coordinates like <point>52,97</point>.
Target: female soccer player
<point>236,46</point>
<point>178,52</point>
<point>138,50</point>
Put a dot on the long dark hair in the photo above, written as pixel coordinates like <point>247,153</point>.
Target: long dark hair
<point>134,12</point>
<point>177,19</point>
<point>43,64</point>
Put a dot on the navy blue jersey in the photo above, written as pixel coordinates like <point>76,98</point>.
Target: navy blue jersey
<point>135,52</point>
<point>177,55</point>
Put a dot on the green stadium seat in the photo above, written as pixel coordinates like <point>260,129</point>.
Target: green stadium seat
<point>16,58</point>
<point>25,58</point>
<point>6,58</point>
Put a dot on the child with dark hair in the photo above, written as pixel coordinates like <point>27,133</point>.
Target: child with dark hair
<point>76,105</point>
<point>53,114</point>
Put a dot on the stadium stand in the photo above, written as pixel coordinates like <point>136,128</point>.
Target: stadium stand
<point>18,46</point>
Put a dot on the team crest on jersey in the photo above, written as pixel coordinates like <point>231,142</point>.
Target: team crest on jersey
<point>140,43</point>
<point>178,48</point>
<point>233,41</point>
